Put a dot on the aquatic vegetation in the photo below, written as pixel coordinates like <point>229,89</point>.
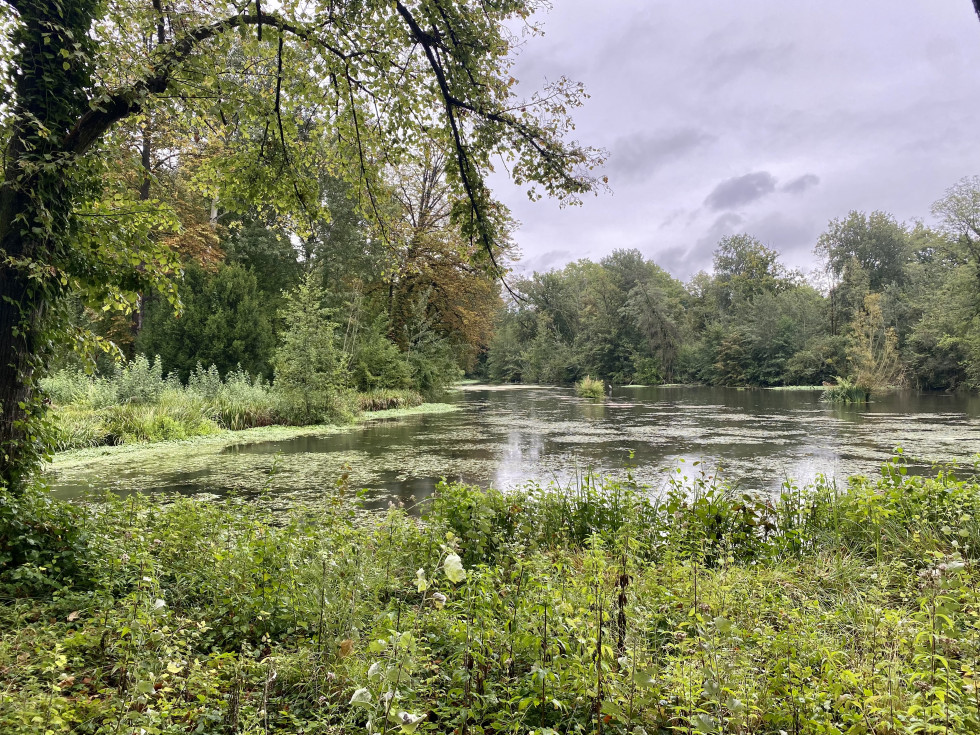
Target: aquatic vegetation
<point>589,387</point>
<point>845,391</point>
<point>505,437</point>
<point>583,607</point>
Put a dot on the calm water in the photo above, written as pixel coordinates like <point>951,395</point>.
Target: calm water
<point>508,435</point>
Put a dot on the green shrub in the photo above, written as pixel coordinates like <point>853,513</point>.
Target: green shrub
<point>43,545</point>
<point>592,606</point>
<point>205,383</point>
<point>376,362</point>
<point>310,378</point>
<point>243,403</point>
<point>139,381</point>
<point>588,387</point>
<point>845,391</point>
<point>75,387</point>
<point>66,386</point>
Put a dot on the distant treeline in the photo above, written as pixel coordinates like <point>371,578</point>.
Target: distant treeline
<point>891,304</point>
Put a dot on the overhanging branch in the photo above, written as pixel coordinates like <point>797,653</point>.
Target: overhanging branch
<point>129,100</point>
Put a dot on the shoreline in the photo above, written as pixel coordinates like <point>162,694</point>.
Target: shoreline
<point>74,458</point>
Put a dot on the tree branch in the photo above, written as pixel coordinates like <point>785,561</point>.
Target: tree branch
<point>113,107</point>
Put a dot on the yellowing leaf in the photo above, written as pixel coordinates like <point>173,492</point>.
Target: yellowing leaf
<point>453,568</point>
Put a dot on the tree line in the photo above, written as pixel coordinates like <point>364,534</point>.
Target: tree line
<point>891,304</point>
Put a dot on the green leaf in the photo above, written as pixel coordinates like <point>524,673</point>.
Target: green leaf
<point>362,697</point>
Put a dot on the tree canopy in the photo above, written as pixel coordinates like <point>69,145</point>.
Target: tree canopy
<point>261,102</point>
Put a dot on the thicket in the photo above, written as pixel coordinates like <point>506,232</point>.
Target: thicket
<point>591,608</point>
<point>405,313</point>
<point>137,403</point>
<point>890,305</point>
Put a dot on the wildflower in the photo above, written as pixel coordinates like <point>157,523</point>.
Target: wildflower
<point>439,600</point>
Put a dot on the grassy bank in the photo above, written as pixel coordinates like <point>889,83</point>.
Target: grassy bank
<point>137,404</point>
<point>584,609</point>
<point>226,438</point>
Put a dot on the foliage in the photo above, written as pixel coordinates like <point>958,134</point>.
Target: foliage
<point>874,349</point>
<point>845,391</point>
<point>892,305</point>
<point>225,321</point>
<point>589,387</point>
<point>875,243</point>
<point>99,96</point>
<point>137,404</point>
<point>44,545</point>
<point>376,362</point>
<point>582,607</point>
<point>310,373</point>
<point>744,268</point>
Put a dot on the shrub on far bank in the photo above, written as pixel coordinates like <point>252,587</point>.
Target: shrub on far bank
<point>385,399</point>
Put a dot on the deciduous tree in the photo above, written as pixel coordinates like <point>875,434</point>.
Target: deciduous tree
<point>359,81</point>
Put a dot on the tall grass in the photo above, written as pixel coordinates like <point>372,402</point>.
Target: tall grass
<point>844,391</point>
<point>385,399</point>
<point>137,403</point>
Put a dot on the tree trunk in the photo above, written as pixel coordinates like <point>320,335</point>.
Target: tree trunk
<point>36,197</point>
<point>21,312</point>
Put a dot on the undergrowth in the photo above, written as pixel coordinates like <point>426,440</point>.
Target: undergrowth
<point>137,403</point>
<point>590,608</point>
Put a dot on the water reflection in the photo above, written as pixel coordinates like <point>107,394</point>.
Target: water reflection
<point>505,437</point>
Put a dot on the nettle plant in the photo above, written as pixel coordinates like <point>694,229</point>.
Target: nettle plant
<point>387,695</point>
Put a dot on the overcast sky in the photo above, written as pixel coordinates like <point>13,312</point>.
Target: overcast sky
<point>760,116</point>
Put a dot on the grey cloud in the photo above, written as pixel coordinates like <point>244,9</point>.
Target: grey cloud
<point>800,184</point>
<point>635,157</point>
<point>741,190</point>
<point>685,262</point>
<point>729,64</point>
<point>722,226</point>
<point>544,261</point>
<point>792,237</point>
<point>888,123</point>
<point>672,259</point>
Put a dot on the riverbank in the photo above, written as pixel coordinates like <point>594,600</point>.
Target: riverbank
<point>86,456</point>
<point>583,609</point>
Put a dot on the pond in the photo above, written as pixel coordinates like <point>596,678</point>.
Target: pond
<point>507,435</point>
